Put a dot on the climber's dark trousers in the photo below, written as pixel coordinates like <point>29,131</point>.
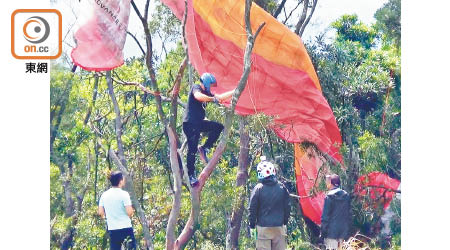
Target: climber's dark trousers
<point>192,132</point>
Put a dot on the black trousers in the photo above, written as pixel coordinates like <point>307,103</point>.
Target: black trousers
<point>117,237</point>
<point>192,132</point>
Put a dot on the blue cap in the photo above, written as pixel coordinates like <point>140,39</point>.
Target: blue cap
<point>207,79</point>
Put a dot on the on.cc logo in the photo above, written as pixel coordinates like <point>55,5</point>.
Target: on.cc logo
<point>36,34</point>
<point>36,29</point>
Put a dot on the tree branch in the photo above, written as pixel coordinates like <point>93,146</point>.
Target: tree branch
<point>309,17</point>
<point>175,211</point>
<point>146,90</point>
<point>278,10</point>
<point>290,13</point>
<point>302,17</point>
<point>137,41</point>
<point>232,239</point>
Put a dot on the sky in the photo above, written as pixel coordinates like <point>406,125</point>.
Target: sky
<point>326,12</point>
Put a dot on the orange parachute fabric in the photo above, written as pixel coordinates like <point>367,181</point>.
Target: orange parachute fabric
<point>282,82</point>
<point>307,164</point>
<point>100,40</point>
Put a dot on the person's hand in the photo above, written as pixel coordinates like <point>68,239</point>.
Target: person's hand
<point>253,233</point>
<point>321,238</point>
<point>216,99</point>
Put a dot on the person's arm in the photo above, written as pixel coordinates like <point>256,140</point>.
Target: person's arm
<point>225,96</point>
<point>287,207</point>
<point>205,98</point>
<point>130,211</point>
<point>253,207</point>
<point>325,220</point>
<point>127,203</point>
<point>202,97</point>
<point>101,211</point>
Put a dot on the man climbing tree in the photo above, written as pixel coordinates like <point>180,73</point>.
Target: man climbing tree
<point>269,209</point>
<point>194,121</point>
<point>115,204</point>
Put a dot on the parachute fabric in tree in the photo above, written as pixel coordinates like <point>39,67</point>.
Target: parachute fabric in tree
<point>378,187</point>
<point>100,40</point>
<point>307,165</point>
<point>282,82</point>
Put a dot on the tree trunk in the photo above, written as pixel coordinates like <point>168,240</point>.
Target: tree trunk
<point>175,211</point>
<point>65,99</point>
<point>241,180</point>
<point>122,165</point>
<point>71,211</point>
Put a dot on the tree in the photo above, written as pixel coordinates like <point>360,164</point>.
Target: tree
<point>388,21</point>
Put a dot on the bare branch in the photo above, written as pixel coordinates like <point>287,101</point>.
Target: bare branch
<point>175,91</point>
<point>309,18</point>
<point>386,189</point>
<point>234,227</point>
<point>302,17</point>
<point>137,41</point>
<point>146,10</point>
<point>138,13</point>
<point>278,10</point>
<point>175,211</point>
<point>290,13</point>
<point>146,90</point>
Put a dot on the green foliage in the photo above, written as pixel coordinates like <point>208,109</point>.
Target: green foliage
<point>165,24</point>
<point>373,153</point>
<point>389,22</point>
<point>349,28</point>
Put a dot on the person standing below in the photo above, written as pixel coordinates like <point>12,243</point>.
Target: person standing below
<point>115,205</point>
<point>194,121</point>
<point>269,209</point>
<point>335,222</point>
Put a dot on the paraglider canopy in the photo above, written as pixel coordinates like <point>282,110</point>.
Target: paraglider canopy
<point>378,187</point>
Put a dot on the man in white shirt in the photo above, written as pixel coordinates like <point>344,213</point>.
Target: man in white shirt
<point>115,205</point>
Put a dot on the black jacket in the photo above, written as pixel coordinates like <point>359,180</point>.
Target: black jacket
<point>336,215</point>
<point>269,204</point>
<point>195,109</point>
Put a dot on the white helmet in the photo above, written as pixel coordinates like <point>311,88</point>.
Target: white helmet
<point>265,168</point>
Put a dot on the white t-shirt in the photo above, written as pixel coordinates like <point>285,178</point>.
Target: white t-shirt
<point>114,201</point>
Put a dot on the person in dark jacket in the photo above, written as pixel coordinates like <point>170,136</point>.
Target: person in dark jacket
<point>335,223</point>
<point>194,121</point>
<point>269,209</point>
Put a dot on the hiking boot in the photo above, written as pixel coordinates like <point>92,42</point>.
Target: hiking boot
<point>193,180</point>
<point>202,152</point>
